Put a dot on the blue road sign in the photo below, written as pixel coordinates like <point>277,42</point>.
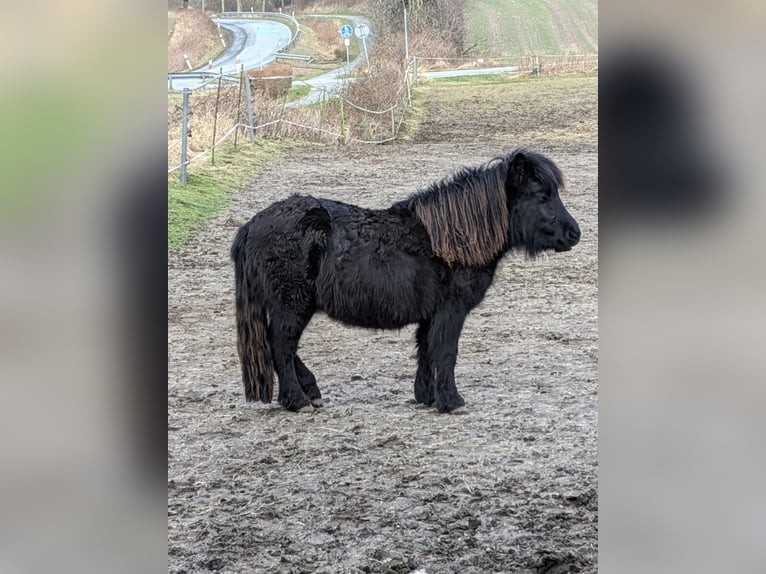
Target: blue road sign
<point>346,30</point>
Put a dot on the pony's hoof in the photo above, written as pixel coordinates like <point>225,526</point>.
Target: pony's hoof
<point>317,403</point>
<point>454,406</point>
<point>305,409</point>
<point>461,410</point>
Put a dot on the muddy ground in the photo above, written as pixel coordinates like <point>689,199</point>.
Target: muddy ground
<point>372,482</point>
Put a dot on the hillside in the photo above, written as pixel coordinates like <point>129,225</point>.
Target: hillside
<point>531,27</point>
<point>192,33</point>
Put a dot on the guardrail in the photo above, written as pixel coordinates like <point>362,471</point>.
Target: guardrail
<point>200,75</point>
<point>295,57</point>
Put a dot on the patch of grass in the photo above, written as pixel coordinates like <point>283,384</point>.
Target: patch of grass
<point>503,78</point>
<point>208,188</point>
<point>415,113</point>
<point>528,85</point>
<point>306,43</point>
<point>297,92</point>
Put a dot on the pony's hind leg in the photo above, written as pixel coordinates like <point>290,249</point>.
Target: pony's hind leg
<point>424,379</point>
<point>308,382</point>
<point>285,332</point>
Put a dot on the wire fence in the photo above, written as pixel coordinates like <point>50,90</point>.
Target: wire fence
<point>244,106</point>
<point>537,64</point>
<point>367,110</point>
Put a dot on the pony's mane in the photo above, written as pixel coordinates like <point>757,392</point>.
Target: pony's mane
<point>466,214</point>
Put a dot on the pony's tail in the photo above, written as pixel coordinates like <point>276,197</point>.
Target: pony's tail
<point>252,332</point>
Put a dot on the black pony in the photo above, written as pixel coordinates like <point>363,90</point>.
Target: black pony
<point>428,260</point>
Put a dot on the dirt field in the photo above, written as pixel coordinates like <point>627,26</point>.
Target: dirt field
<point>372,482</point>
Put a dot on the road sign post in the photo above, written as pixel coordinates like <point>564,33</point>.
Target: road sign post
<point>347,31</point>
<point>346,41</point>
<point>361,32</point>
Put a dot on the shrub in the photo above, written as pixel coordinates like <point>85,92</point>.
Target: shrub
<point>275,80</point>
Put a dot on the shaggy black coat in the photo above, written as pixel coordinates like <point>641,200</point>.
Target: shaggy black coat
<point>427,260</point>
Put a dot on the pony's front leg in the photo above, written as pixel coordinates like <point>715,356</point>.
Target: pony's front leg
<point>308,382</point>
<point>442,348</point>
<point>424,379</point>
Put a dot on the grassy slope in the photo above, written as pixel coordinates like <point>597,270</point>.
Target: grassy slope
<point>192,33</point>
<point>208,188</point>
<point>528,27</point>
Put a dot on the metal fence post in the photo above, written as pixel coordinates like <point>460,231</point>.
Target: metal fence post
<point>184,132</point>
<point>250,121</point>
<point>321,114</point>
<point>215,118</point>
<point>239,109</point>
<point>407,83</point>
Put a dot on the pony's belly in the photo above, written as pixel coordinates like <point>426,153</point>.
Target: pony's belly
<point>375,301</point>
<point>368,320</point>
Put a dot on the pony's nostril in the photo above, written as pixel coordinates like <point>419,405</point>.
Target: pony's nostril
<point>574,234</point>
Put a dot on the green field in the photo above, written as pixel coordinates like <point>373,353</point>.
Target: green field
<point>531,27</point>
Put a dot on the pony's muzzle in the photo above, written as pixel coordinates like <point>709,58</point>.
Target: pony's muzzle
<point>572,235</point>
<point>569,238</point>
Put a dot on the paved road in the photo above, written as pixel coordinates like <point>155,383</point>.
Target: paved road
<point>253,42</point>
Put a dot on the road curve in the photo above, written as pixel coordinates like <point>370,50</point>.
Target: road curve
<point>253,43</point>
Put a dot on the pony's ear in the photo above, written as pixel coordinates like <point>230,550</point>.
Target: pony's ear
<point>520,169</point>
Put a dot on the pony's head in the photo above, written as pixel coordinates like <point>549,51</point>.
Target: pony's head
<point>538,220</point>
<point>478,213</point>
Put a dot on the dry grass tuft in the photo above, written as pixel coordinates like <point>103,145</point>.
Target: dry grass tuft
<point>202,116</point>
<point>328,42</point>
<point>193,34</point>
